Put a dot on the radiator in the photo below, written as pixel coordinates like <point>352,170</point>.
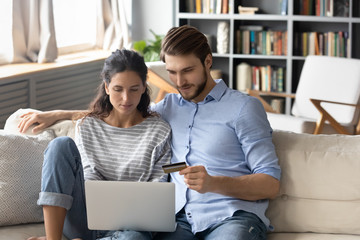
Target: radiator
<point>70,87</point>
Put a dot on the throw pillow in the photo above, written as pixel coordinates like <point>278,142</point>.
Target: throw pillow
<point>21,160</point>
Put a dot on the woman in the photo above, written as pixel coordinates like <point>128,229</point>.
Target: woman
<point>118,140</point>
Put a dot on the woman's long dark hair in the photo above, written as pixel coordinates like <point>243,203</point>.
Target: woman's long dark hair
<point>120,61</point>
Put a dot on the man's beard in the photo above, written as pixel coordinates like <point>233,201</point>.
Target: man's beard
<point>198,91</point>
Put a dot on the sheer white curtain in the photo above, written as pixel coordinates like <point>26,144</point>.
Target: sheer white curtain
<point>113,25</point>
<point>28,32</point>
<point>31,35</point>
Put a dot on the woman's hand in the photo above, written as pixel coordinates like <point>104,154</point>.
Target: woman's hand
<point>42,120</point>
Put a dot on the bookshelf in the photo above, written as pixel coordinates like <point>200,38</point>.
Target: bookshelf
<point>295,22</point>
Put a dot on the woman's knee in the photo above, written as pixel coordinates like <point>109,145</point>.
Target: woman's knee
<point>62,150</point>
<point>61,144</point>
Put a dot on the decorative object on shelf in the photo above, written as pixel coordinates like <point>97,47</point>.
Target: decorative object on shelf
<point>222,45</point>
<point>277,104</point>
<point>283,7</point>
<point>243,76</point>
<point>247,10</point>
<point>209,40</point>
<point>216,73</point>
<point>341,8</point>
<point>150,51</point>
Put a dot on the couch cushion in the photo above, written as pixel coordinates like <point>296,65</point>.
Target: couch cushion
<point>310,236</point>
<point>21,232</point>
<point>21,160</point>
<point>320,184</point>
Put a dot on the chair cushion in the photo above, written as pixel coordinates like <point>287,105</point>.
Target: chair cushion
<point>320,184</point>
<point>329,78</point>
<point>300,125</point>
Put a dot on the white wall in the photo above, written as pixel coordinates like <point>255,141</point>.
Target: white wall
<point>157,15</point>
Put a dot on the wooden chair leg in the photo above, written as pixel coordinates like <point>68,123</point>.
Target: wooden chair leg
<point>329,118</point>
<point>319,125</point>
<point>357,130</point>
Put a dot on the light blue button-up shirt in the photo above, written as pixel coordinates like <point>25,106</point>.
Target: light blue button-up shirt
<point>228,133</point>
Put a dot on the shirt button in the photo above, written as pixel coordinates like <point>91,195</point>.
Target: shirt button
<point>187,147</point>
<point>189,126</point>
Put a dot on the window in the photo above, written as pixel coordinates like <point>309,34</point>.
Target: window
<point>75,25</point>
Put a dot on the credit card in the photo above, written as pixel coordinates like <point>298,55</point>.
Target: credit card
<point>174,167</point>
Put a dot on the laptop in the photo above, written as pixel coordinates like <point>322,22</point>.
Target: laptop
<point>139,206</point>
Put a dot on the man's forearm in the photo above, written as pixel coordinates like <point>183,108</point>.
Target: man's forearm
<point>248,187</point>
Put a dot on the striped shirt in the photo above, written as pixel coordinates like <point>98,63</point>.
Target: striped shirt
<point>123,154</point>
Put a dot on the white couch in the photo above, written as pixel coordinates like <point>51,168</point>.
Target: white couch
<point>319,197</point>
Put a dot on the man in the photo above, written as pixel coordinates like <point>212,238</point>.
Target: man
<point>224,138</point>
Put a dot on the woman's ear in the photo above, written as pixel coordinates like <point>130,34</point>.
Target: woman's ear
<point>144,87</point>
<point>106,88</point>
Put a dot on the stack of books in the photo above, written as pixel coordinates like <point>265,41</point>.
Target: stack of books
<point>208,6</point>
<point>247,10</point>
<point>257,40</point>
<point>264,78</point>
<point>324,8</point>
<point>333,44</point>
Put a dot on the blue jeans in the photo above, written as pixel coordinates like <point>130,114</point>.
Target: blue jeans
<point>241,226</point>
<point>62,185</point>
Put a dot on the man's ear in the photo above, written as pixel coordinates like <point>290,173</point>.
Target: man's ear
<point>208,61</point>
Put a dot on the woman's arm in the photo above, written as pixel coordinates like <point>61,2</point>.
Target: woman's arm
<point>162,157</point>
<point>46,119</point>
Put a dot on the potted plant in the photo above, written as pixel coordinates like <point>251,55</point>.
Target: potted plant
<point>151,50</point>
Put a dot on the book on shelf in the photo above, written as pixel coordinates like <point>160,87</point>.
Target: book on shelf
<point>318,43</point>
<point>324,8</point>
<point>251,39</point>
<point>265,78</point>
<point>207,6</point>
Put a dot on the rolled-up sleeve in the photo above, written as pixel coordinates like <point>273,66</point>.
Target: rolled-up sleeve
<point>255,136</point>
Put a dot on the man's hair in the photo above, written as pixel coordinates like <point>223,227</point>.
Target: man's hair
<point>185,40</point>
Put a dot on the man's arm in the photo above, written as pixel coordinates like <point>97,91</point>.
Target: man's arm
<point>250,187</point>
<point>46,119</point>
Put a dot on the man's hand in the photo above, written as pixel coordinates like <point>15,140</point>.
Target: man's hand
<point>41,119</point>
<point>197,178</point>
<point>249,187</point>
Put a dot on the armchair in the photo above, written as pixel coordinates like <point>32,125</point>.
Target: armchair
<point>326,100</point>
<point>158,78</point>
